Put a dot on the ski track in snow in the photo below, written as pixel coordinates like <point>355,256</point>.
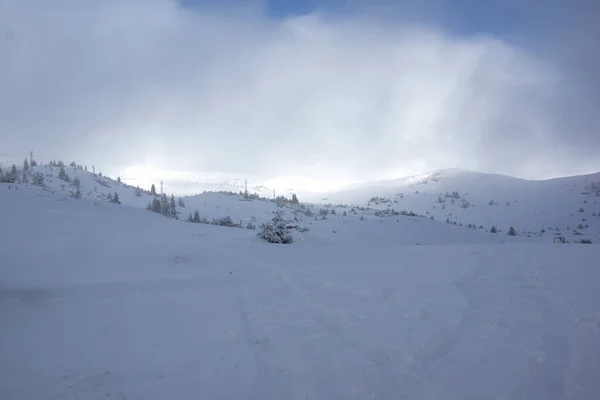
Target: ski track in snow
<point>383,377</point>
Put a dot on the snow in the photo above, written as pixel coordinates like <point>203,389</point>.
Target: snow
<point>112,301</point>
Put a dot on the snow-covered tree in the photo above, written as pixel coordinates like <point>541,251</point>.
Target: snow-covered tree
<point>14,174</point>
<point>512,232</point>
<point>172,208</point>
<point>295,199</point>
<point>76,182</point>
<point>11,176</point>
<point>164,205</point>
<point>154,206</point>
<point>63,175</point>
<point>196,217</point>
<point>76,194</point>
<point>275,231</point>
<point>33,163</point>
<point>25,165</point>
<point>153,190</point>
<point>493,229</point>
<point>115,199</point>
<point>190,218</point>
<point>138,192</point>
<point>119,179</point>
<point>38,179</point>
<point>110,197</point>
<point>180,202</point>
<point>25,177</point>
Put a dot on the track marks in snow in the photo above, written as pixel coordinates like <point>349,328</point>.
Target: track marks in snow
<point>355,369</point>
<point>268,384</point>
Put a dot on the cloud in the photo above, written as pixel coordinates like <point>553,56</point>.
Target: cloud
<point>129,82</point>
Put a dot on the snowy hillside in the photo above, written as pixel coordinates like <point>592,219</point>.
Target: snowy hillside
<point>567,206</point>
<point>101,300</point>
<point>316,222</point>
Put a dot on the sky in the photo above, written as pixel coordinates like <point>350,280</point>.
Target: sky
<point>329,90</point>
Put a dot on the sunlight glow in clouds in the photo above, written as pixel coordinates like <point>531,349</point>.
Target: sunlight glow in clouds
<point>130,82</point>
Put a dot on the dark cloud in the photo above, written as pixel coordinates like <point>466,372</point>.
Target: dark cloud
<point>356,96</point>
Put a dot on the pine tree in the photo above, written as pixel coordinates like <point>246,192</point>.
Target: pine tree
<point>295,199</point>
<point>12,176</point>
<point>156,206</point>
<point>196,217</point>
<point>76,194</point>
<point>164,205</point>
<point>190,218</point>
<point>63,175</point>
<point>25,165</point>
<point>172,208</point>
<point>38,179</point>
<point>25,178</point>
<point>180,202</point>
<point>512,232</point>
<point>494,229</point>
<point>115,199</point>
<point>110,197</point>
<point>76,182</point>
<point>33,163</point>
<point>138,192</point>
<point>119,179</point>
<point>153,190</point>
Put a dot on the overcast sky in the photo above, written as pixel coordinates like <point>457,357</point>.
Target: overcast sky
<point>333,89</point>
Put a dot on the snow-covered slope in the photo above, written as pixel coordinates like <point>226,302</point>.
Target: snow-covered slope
<point>566,206</point>
<point>99,300</point>
<point>325,224</point>
<point>540,210</point>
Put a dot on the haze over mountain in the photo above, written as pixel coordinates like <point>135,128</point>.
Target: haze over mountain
<point>321,90</point>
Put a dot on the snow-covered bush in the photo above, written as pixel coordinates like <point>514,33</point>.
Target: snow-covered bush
<point>225,221</point>
<point>275,231</point>
<point>386,213</point>
<point>76,194</point>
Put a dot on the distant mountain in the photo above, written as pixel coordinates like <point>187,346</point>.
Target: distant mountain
<point>569,205</point>
<point>563,207</point>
